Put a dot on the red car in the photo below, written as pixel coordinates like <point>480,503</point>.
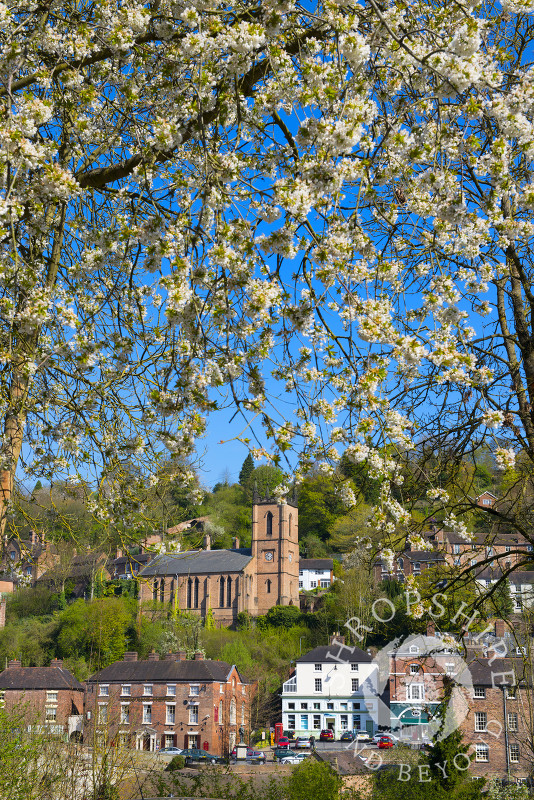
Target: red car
<point>283,741</point>
<point>385,742</point>
<point>326,735</point>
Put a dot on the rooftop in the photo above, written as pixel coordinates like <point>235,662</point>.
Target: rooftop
<point>38,678</point>
<point>198,562</point>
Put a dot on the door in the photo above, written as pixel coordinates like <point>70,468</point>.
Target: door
<point>369,727</point>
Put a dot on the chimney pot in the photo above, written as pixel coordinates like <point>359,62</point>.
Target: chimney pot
<point>153,656</point>
<point>131,655</point>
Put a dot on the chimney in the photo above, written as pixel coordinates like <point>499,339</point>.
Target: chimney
<point>500,628</point>
<point>181,655</point>
<point>119,553</point>
<point>131,655</point>
<point>199,656</point>
<point>57,663</point>
<point>153,656</point>
<point>235,543</point>
<point>336,638</point>
<point>207,541</point>
<point>430,628</point>
<point>170,657</point>
<point>14,663</point>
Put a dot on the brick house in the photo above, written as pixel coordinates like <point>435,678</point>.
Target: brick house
<point>45,696</point>
<point>409,562</point>
<point>499,725</point>
<point>27,560</point>
<point>175,702</point>
<point>223,583</point>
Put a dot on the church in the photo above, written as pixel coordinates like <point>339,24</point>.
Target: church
<point>223,583</point>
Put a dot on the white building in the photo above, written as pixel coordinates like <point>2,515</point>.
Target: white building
<point>331,688</point>
<point>315,573</point>
<point>521,586</point>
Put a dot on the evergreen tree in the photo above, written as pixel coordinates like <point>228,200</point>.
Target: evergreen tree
<point>245,474</point>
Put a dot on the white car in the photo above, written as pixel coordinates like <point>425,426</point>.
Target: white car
<point>376,738</point>
<point>294,758</point>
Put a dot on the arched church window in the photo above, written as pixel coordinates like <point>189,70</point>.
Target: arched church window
<point>229,592</point>
<point>189,591</point>
<point>155,591</point>
<point>196,592</point>
<point>269,524</point>
<point>268,582</point>
<point>221,593</point>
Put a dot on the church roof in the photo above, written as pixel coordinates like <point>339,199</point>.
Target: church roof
<point>198,562</point>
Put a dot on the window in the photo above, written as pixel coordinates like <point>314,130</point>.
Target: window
<point>324,584</point>
<point>171,690</point>
<point>170,717</point>
<point>304,706</point>
<point>51,713</point>
<point>356,722</point>
<point>400,562</point>
<point>313,584</point>
<point>220,711</point>
<point>147,713</point>
<point>147,690</point>
<point>481,719</point>
<point>414,669</point>
<point>269,524</point>
<point>479,691</point>
<point>355,683</point>
<point>317,706</point>
<point>356,706</point>
<point>193,715</point>
<point>221,593</point>
<point>344,721</point>
<point>242,713</point>
<point>125,714</point>
<point>316,722</point>
<point>301,585</point>
<point>449,668</point>
<point>104,691</point>
<point>343,706</point>
<point>507,548</point>
<point>194,690</point>
<point>318,685</point>
<point>414,648</point>
<point>216,713</point>
<point>291,722</point>
<point>102,713</point>
<point>511,692</point>
<point>329,706</point>
<point>51,697</point>
<point>232,712</point>
<point>221,688</point>
<point>301,572</point>
<point>456,549</point>
<point>417,566</point>
<point>304,722</point>
<point>415,691</point>
<point>514,753</point>
<point>228,593</point>
<point>169,740</point>
<point>126,690</point>
<point>481,752</point>
<point>2,697</point>
<point>512,721</point>
<point>29,572</point>
<point>354,667</point>
<point>318,667</point>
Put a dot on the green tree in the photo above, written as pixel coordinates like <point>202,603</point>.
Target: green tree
<point>245,474</point>
<point>313,779</point>
<point>319,506</point>
<point>266,479</point>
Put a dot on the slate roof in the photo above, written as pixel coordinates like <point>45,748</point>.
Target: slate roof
<point>516,577</point>
<point>486,674</point>
<point>140,558</point>
<point>423,555</point>
<point>335,653</point>
<point>198,562</point>
<point>137,671</point>
<point>316,563</point>
<point>344,762</point>
<point>38,678</point>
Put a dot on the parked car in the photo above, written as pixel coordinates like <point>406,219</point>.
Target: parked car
<point>363,736</point>
<point>194,756</point>
<point>255,755</point>
<point>281,752</point>
<point>302,741</point>
<point>376,738</point>
<point>175,751</point>
<point>294,758</point>
<point>283,741</point>
<point>385,742</point>
<point>326,735</point>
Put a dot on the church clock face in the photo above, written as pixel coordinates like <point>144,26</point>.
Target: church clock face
<point>269,555</point>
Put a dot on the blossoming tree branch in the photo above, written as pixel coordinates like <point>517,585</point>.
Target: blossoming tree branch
<point>330,203</point>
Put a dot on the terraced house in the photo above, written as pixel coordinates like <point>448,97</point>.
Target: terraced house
<point>175,702</point>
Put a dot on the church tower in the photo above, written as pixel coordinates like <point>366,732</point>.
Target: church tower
<point>275,550</point>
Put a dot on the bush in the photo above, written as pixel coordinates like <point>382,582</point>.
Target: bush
<point>313,779</point>
<point>178,762</point>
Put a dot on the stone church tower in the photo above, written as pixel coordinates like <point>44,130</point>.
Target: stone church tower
<point>275,554</point>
